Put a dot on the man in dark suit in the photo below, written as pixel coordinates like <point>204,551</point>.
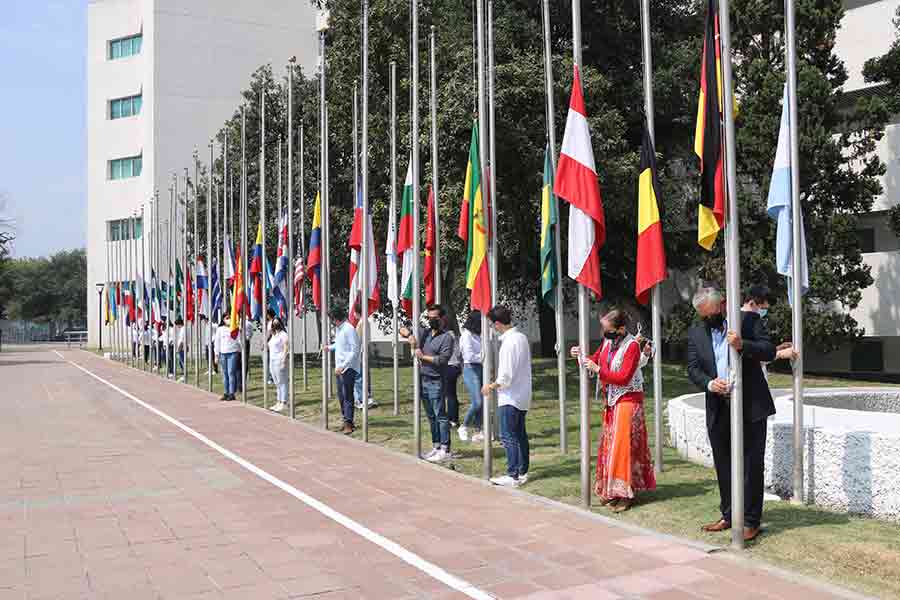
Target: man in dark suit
<point>708,368</point>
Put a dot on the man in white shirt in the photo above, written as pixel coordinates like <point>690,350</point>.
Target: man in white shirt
<point>513,386</point>
<point>180,335</point>
<point>346,350</point>
<point>228,350</point>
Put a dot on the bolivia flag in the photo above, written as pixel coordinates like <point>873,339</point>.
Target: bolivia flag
<point>576,182</point>
<point>429,249</point>
<point>549,218</point>
<point>238,296</point>
<point>405,243</point>
<point>651,254</point>
<point>708,138</point>
<point>314,260</point>
<point>473,229</point>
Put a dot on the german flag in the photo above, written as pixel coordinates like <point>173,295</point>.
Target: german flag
<point>651,254</point>
<point>708,140</point>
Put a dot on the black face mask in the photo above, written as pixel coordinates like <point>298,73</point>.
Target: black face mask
<point>611,335</point>
<point>715,321</point>
<point>435,324</point>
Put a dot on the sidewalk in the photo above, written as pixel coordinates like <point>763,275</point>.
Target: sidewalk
<point>103,498</point>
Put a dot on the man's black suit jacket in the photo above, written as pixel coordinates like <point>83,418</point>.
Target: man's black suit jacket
<point>757,348</point>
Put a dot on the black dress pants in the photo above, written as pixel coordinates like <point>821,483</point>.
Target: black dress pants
<point>754,465</point>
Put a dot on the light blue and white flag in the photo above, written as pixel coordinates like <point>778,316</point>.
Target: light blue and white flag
<point>779,208</point>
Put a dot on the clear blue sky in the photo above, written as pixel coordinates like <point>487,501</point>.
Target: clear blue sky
<point>42,122</point>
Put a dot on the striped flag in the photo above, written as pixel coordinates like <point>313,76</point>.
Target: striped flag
<point>279,287</point>
<point>202,283</point>
<point>709,138</point>
<point>299,276</point>
<point>390,252</point>
<point>228,259</point>
<point>314,259</point>
<point>355,245</point>
<point>255,272</point>
<point>576,183</point>
<point>549,218</point>
<point>779,208</point>
<point>215,293</point>
<point>428,274</point>
<point>651,253</point>
<point>473,229</point>
<point>238,296</point>
<point>405,243</point>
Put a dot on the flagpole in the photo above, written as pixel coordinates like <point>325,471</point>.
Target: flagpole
<point>394,318</point>
<point>655,314</point>
<point>417,272</point>
<point>303,250</point>
<point>733,285</point>
<point>110,324</point>
<point>488,359</point>
<point>128,324</point>
<point>264,269</point>
<point>224,221</point>
<point>438,296</point>
<point>796,254</point>
<point>156,283</point>
<point>195,292</point>
<point>559,313</point>
<point>177,250</point>
<point>243,257</point>
<point>145,312</point>
<point>170,290</point>
<point>211,197</point>
<point>364,159</point>
<point>186,275</point>
<point>290,225</point>
<point>492,200</point>
<point>119,321</point>
<point>584,308</point>
<point>323,195</point>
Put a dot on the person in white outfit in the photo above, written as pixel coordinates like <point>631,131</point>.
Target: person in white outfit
<point>278,362</point>
<point>228,350</point>
<point>470,350</point>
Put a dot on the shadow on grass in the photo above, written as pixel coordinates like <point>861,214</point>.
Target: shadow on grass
<point>780,519</point>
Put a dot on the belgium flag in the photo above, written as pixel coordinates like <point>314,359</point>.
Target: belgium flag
<point>651,254</point>
<point>708,139</point>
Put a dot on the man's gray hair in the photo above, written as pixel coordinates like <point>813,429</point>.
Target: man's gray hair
<point>704,295</point>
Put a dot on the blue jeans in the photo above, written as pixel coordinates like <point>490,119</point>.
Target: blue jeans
<point>229,371</point>
<point>473,380</point>
<point>346,381</point>
<point>515,440</point>
<point>436,409</point>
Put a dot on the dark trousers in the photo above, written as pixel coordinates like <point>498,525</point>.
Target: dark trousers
<point>146,353</point>
<point>346,381</point>
<point>171,355</point>
<point>451,377</point>
<point>214,365</point>
<point>754,465</point>
<point>515,440</point>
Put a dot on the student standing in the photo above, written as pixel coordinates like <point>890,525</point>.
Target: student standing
<point>346,348</point>
<point>470,352</point>
<point>227,350</point>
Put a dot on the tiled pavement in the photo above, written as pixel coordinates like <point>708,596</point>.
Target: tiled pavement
<point>101,498</point>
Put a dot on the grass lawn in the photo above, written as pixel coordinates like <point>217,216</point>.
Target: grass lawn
<point>855,552</point>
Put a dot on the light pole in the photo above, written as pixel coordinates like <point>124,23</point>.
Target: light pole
<point>100,287</point>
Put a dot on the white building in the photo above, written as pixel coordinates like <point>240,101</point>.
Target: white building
<point>163,75</point>
<point>868,31</point>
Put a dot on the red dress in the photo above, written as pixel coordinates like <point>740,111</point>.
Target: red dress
<point>624,466</point>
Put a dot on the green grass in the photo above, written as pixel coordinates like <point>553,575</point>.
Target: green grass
<point>855,552</point>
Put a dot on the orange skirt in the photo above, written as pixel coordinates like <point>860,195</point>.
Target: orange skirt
<point>624,466</point>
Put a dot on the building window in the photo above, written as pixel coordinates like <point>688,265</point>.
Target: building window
<point>123,168</point>
<point>867,355</point>
<point>125,47</point>
<point>125,107</point>
<point>121,229</point>
<point>866,239</point>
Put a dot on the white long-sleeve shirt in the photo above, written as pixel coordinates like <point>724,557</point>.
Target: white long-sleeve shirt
<point>224,344</point>
<point>470,347</point>
<point>346,348</point>
<point>278,350</point>
<point>514,370</point>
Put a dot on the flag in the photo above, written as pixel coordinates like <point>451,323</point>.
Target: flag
<point>202,279</point>
<point>154,298</point>
<point>229,260</point>
<point>215,294</point>
<point>473,229</point>
<point>390,252</point>
<point>146,308</point>
<point>299,276</point>
<point>179,275</point>
<point>549,218</point>
<point>189,296</point>
<point>109,304</point>
<point>314,259</point>
<point>405,243</point>
<point>277,299</point>
<point>576,183</point>
<point>355,245</point>
<point>238,296</point>
<point>256,266</point>
<point>128,301</point>
<point>651,253</point>
<point>279,283</point>
<point>429,249</point>
<point>709,138</point>
<point>779,208</point>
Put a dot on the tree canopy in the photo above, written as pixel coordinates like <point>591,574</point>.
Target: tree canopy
<point>46,290</point>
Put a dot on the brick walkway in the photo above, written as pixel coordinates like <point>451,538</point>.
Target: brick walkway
<point>101,498</point>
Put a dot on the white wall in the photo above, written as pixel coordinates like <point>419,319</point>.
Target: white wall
<point>866,31</point>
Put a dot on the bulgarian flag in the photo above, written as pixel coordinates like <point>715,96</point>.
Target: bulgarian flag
<point>576,183</point>
<point>405,243</point>
<point>473,229</point>
<point>651,254</point>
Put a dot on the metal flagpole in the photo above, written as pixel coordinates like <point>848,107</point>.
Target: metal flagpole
<point>364,159</point>
<point>290,225</point>
<point>488,361</point>
<point>110,327</point>
<point>220,246</point>
<point>118,272</point>
<point>156,284</point>
<point>394,319</point>
<point>144,308</point>
<point>326,243</point>
<point>796,253</point>
<point>733,284</point>
<point>417,273</point>
<point>177,252</point>
<point>323,197</point>
<point>492,200</point>
<point>584,308</point>
<point>559,314</point>
<point>211,196</point>
<point>195,253</point>
<point>279,191</point>
<point>186,269</point>
<point>262,223</point>
<point>243,208</point>
<point>129,336</point>
<point>655,315</point>
<point>303,250</point>
<point>434,172</point>
<point>170,290</point>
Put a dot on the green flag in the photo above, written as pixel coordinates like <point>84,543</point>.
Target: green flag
<point>549,218</point>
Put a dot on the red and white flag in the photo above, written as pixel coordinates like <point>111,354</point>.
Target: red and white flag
<point>355,245</point>
<point>576,183</point>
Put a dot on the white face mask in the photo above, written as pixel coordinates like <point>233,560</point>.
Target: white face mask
<point>762,312</point>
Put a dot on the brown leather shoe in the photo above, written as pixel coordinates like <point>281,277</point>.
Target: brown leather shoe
<point>720,525</point>
<point>348,429</point>
<point>751,533</point>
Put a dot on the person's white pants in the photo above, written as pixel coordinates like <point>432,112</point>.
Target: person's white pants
<point>280,378</point>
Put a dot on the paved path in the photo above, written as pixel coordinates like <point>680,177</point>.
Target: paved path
<point>101,497</point>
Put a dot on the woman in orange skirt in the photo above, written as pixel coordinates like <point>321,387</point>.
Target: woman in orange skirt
<point>624,466</point>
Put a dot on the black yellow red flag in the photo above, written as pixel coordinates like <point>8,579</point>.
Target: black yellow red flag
<point>651,253</point>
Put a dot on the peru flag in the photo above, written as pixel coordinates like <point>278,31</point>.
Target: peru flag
<point>576,183</point>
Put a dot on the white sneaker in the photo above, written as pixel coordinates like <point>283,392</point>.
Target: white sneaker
<point>505,481</point>
<point>429,454</point>
<point>357,404</point>
<point>523,479</point>
<point>463,433</point>
<point>277,407</point>
<point>438,456</point>
<point>478,437</point>
<point>182,379</point>
<point>372,403</point>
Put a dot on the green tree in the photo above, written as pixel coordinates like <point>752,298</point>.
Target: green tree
<point>49,289</point>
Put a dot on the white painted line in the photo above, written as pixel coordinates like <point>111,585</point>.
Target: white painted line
<point>396,549</point>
